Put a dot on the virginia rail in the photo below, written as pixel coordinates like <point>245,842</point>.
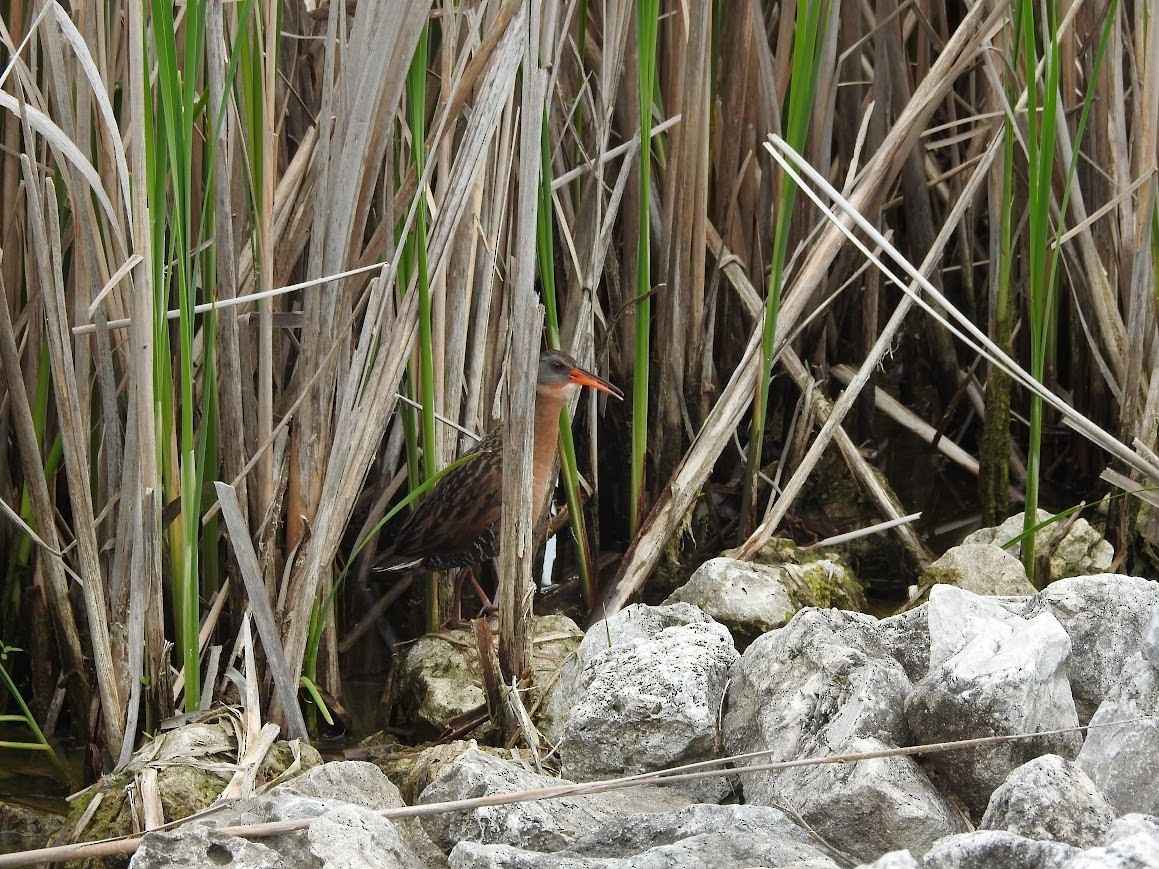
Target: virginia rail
<point>456,525</point>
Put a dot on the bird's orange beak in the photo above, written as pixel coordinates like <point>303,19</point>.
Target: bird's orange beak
<point>586,378</point>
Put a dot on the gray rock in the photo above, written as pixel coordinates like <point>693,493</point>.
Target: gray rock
<point>1150,647</point>
<point>957,618</point>
<point>650,700</point>
<point>1082,550</point>
<point>991,673</point>
<point>824,685</point>
<point>820,681</point>
<point>1132,843</point>
<point>343,835</point>
<point>544,825</point>
<point>893,860</point>
<point>361,784</point>
<point>321,796</point>
<point>197,846</point>
<point>351,837</point>
<point>1140,851</point>
<point>635,622</point>
<point>438,680</point>
<point>812,577</point>
<point>747,598</point>
<point>1131,824</point>
<point>476,855</point>
<point>1106,617</point>
<point>870,807</point>
<point>1122,758</point>
<point>982,568</point>
<point>439,677</point>
<point>350,781</point>
<point>745,835</point>
<point>992,849</point>
<point>724,837</point>
<point>1050,798</point>
<point>265,809</point>
<point>906,637</point>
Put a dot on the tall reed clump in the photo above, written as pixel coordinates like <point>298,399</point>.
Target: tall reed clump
<point>809,34</point>
<point>1041,272</point>
<point>1045,230</point>
<point>170,140</point>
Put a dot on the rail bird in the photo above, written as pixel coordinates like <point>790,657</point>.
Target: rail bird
<point>457,524</point>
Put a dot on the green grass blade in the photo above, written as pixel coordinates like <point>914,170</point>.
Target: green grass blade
<point>647,24</point>
<point>808,39</point>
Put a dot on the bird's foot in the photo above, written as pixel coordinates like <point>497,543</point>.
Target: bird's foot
<point>457,622</point>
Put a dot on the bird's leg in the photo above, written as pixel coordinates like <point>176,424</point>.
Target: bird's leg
<point>489,609</point>
<point>465,575</point>
<point>456,620</point>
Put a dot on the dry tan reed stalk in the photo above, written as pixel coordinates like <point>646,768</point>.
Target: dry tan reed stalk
<point>45,225</point>
<point>59,603</point>
<point>285,683</point>
<point>516,588</point>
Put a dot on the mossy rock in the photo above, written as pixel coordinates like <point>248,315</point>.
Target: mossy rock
<point>23,828</point>
<point>440,679</point>
<point>412,768</point>
<point>819,578</point>
<point>194,764</point>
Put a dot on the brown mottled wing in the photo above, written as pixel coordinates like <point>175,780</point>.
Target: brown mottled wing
<point>455,524</point>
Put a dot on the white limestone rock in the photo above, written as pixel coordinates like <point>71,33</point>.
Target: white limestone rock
<point>1122,759</point>
<point>825,684</point>
<point>1081,551</point>
<point>991,673</point>
<point>747,598</point>
<point>982,568</point>
<point>1050,798</point>
<point>997,849</point>
<point>649,700</point>
<point>543,825</point>
<point>1106,617</point>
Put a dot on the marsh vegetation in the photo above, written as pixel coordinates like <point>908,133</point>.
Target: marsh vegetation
<point>236,234</point>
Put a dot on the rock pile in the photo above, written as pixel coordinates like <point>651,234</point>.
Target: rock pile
<point>656,687</point>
